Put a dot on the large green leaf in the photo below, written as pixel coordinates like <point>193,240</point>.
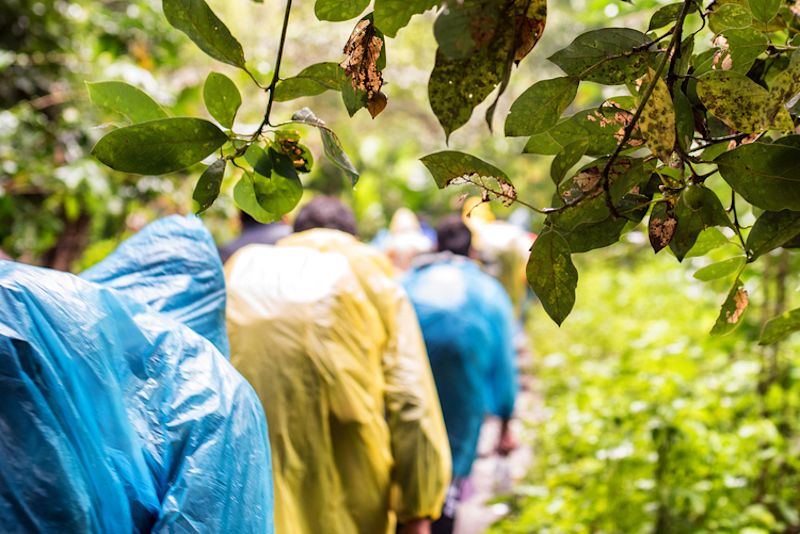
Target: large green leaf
<point>684,119</point>
<point>282,191</point>
<point>609,56</point>
<point>508,31</point>
<point>126,100</point>
<point>222,98</point>
<point>311,81</point>
<point>784,88</point>
<point>764,10</point>
<point>732,310</point>
<point>195,19</point>
<point>766,175</point>
<point>338,10</point>
<point>739,102</point>
<point>552,275</point>
<point>771,230</point>
<point>259,160</point>
<point>392,15</point>
<point>244,194</point>
<point>778,328</point>
<point>743,47</point>
<point>330,143</point>
<point>595,127</point>
<point>596,235</point>
<point>451,167</point>
<point>207,189</point>
<point>697,209</point>
<point>729,16</point>
<point>159,146</point>
<point>540,106</point>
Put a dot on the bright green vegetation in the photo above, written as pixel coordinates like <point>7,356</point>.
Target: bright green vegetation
<point>649,424</point>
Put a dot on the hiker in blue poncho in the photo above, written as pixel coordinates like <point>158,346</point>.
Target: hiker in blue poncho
<point>467,323</point>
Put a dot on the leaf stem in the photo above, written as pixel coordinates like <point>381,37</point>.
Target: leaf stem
<point>645,97</point>
<point>736,223</point>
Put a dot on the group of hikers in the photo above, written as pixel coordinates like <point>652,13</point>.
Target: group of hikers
<point>323,385</point>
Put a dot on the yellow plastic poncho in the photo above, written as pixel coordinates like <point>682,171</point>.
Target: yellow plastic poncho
<point>332,346</point>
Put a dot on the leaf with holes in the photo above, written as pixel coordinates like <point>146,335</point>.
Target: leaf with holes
<point>732,310</point>
<point>207,189</point>
<point>195,19</point>
<point>661,228</point>
<point>451,167</point>
<point>363,63</point>
<point>552,275</point>
<point>159,146</point>
<point>126,100</point>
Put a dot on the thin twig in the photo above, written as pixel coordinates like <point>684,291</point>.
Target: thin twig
<point>736,222</point>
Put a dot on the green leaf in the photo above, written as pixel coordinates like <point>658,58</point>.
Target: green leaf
<point>311,81</point>
<point>743,47</point>
<point>540,106</point>
<point>195,19</point>
<point>330,143</point>
<point>392,15</point>
<point>244,194</point>
<point>657,121</point>
<point>684,119</point>
<point>778,328</point>
<point>566,159</point>
<point>708,240</point>
<point>508,31</point>
<point>339,10</point>
<point>729,16</point>
<point>784,88</point>
<point>552,275</point>
<point>610,56</point>
<point>222,98</point>
<point>596,127</point>
<point>126,100</point>
<point>732,311</point>
<point>720,269</point>
<point>739,102</point>
<point>766,175</point>
<point>596,235</point>
<point>259,160</point>
<point>159,146</point>
<point>282,191</point>
<point>764,10</point>
<point>697,209</point>
<point>668,14</point>
<point>207,189</point>
<point>771,230</point>
<point>450,167</point>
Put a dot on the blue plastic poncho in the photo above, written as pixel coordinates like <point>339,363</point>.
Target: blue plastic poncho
<point>116,418</point>
<point>468,325</point>
<point>172,265</point>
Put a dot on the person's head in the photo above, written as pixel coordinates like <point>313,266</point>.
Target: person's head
<point>326,212</point>
<point>454,236</point>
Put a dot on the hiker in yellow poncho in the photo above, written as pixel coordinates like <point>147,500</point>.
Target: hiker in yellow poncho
<point>332,346</point>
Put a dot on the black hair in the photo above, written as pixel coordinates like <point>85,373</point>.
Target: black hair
<point>326,212</point>
<point>453,235</point>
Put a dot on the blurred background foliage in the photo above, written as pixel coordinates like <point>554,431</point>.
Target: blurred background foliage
<point>648,424</point>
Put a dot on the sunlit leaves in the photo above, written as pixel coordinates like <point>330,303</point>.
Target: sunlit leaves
<point>159,146</point>
<point>778,328</point>
<point>740,48</point>
<point>503,33</point>
<point>195,19</point>
<point>222,98</point>
<point>451,167</point>
<point>657,120</point>
<point>338,10</point>
<point>125,99</point>
<point>330,143</point>
<point>610,56</point>
<point>311,81</point>
<point>552,275</point>
<point>771,230</point>
<point>739,102</point>
<point>784,89</point>
<point>764,10</point>
<point>729,16</point>
<point>766,175</point>
<point>732,310</point>
<point>540,106</point>
<point>598,128</point>
<point>273,190</point>
<point>391,15</point>
<point>720,269</point>
<point>208,186</point>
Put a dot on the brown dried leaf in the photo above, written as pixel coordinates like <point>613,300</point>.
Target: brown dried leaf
<point>662,226</point>
<point>362,51</point>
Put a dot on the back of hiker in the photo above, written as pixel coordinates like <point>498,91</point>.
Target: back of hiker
<point>332,345</point>
<point>118,417</point>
